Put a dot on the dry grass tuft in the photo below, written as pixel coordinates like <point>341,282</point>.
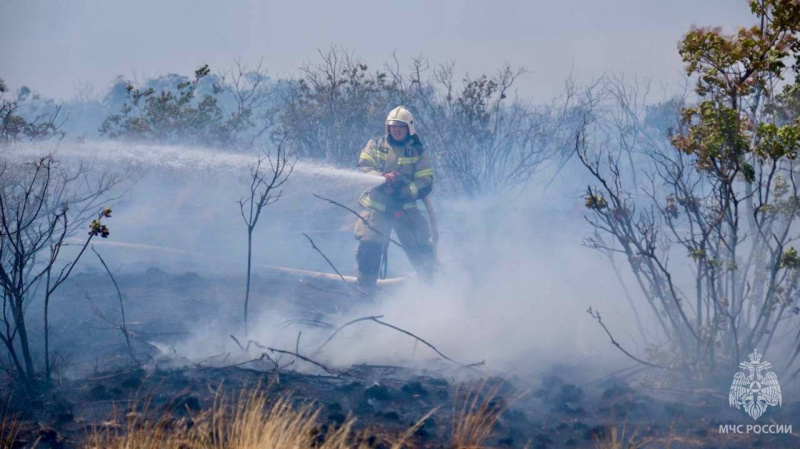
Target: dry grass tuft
<point>617,438</point>
<point>9,428</point>
<point>254,421</point>
<point>412,430</point>
<point>479,412</point>
<point>248,424</point>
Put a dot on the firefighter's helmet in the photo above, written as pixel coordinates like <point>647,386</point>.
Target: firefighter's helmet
<point>401,115</point>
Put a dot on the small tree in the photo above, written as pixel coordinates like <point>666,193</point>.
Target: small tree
<point>335,107</point>
<point>252,112</point>
<point>484,138</point>
<point>167,116</point>
<point>265,189</point>
<point>35,222</point>
<point>15,128</point>
<point>233,110</point>
<point>725,193</point>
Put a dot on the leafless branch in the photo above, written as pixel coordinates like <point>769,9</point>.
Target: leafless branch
<point>333,266</point>
<point>596,315</point>
<point>123,325</point>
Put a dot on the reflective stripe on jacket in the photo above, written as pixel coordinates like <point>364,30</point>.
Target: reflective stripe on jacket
<point>410,160</point>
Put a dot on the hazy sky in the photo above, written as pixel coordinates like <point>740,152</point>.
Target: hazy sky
<point>53,46</point>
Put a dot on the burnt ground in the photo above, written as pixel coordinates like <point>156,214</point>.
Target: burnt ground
<point>97,384</point>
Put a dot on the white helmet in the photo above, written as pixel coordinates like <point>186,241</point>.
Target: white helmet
<point>401,115</point>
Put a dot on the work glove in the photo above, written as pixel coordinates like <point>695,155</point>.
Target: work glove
<point>392,178</point>
<point>393,183</point>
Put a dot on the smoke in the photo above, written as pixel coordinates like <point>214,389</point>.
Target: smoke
<point>513,288</point>
<point>513,291</point>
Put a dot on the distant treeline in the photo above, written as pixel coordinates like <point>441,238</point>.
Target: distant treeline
<point>483,137</point>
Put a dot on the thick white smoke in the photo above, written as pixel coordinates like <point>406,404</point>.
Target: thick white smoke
<point>513,290</point>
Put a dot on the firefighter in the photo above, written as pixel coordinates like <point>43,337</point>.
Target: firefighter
<point>402,160</point>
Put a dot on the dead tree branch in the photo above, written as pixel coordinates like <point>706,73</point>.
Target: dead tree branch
<point>391,326</point>
<point>596,315</point>
<point>333,266</point>
<point>123,326</point>
<point>340,328</point>
<point>236,340</point>
<point>365,221</point>
<point>313,362</point>
<point>265,189</point>
<point>423,341</point>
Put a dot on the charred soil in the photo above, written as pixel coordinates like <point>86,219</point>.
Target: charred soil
<point>99,389</point>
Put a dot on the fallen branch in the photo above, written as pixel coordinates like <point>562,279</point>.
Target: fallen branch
<point>263,356</point>
<point>332,265</point>
<point>208,359</point>
<point>340,328</point>
<point>313,362</point>
<point>596,315</point>
<point>463,365</point>
<point>391,326</point>
<point>364,366</point>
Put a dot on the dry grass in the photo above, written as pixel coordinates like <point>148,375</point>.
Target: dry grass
<point>280,427</point>
<point>254,421</point>
<point>479,411</point>
<point>617,438</point>
<point>412,430</point>
<point>9,427</point>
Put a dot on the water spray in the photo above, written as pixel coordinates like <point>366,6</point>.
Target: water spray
<point>172,157</point>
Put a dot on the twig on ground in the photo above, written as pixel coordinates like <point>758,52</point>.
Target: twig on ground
<point>313,362</point>
<point>421,340</point>
<point>391,326</point>
<point>384,368</point>
<point>596,315</point>
<point>263,356</point>
<point>208,359</point>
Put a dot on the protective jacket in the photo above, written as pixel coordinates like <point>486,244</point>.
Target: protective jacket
<point>409,160</point>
